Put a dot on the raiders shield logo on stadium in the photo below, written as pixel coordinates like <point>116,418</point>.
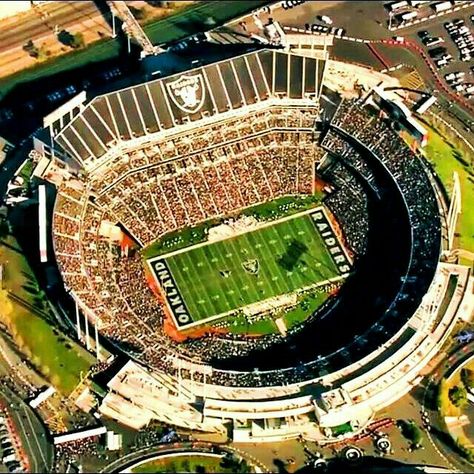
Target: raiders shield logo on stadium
<point>187,92</point>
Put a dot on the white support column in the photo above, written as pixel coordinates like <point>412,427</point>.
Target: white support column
<point>88,344</point>
<point>78,322</point>
<point>97,346</point>
<point>454,209</point>
<point>204,392</point>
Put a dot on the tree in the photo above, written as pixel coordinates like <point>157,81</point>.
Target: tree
<point>4,228</point>
<point>467,377</point>
<point>158,4</point>
<point>138,13</point>
<point>73,41</point>
<point>458,396</point>
<point>185,466</point>
<point>78,41</point>
<point>411,432</point>
<point>231,462</point>
<point>31,49</point>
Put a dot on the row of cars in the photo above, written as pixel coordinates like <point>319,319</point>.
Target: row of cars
<point>456,80</point>
<point>41,103</point>
<point>9,455</point>
<point>462,37</point>
<point>325,28</point>
<point>439,54</point>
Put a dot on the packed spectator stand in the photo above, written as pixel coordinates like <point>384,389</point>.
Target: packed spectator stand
<point>188,178</point>
<point>175,183</point>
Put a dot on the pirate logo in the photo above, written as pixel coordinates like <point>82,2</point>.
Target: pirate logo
<point>251,266</point>
<point>187,92</point>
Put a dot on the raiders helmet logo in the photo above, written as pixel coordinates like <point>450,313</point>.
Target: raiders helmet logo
<point>187,92</point>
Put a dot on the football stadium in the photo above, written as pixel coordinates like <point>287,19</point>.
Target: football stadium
<point>228,228</point>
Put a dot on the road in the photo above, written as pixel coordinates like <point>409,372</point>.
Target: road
<point>39,25</point>
<point>134,457</point>
<point>32,433</point>
<point>438,436</point>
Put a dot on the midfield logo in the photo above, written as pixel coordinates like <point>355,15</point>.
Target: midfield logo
<point>251,266</point>
<point>187,92</point>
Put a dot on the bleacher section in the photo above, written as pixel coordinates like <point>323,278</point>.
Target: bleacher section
<point>161,105</point>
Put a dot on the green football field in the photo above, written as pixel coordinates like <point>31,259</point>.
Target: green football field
<point>220,277</point>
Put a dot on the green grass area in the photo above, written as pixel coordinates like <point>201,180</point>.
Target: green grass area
<point>26,169</point>
<point>60,359</point>
<point>263,327</point>
<point>180,239</point>
<point>306,306</point>
<point>184,22</point>
<point>447,158</point>
<point>281,207</point>
<point>96,52</point>
<point>184,464</point>
<point>57,357</point>
<point>200,16</point>
<point>223,276</point>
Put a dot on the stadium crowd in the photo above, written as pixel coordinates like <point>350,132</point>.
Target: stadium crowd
<point>187,179</point>
<point>409,173</point>
<point>168,196</point>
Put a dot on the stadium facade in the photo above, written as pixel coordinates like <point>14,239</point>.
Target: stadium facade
<point>134,158</point>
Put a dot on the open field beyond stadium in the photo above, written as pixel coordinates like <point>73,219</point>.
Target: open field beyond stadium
<point>185,22</point>
<point>446,159</point>
<point>214,279</point>
<point>55,355</point>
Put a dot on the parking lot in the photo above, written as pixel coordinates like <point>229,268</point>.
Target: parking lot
<point>458,57</point>
<point>8,452</point>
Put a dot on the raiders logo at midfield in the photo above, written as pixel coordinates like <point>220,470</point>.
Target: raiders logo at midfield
<point>251,266</point>
<point>187,92</point>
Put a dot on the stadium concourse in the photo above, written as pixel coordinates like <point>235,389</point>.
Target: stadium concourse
<point>205,144</point>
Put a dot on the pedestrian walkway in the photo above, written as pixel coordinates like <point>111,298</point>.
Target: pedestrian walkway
<point>132,28</point>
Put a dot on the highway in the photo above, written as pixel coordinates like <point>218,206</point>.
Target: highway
<point>33,25</point>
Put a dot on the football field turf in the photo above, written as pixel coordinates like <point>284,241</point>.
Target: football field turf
<point>215,278</point>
